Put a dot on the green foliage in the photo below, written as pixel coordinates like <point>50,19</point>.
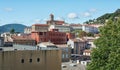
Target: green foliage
<point>82,34</point>
<point>90,34</point>
<point>12,31</point>
<point>102,19</point>
<point>107,54</point>
<point>18,27</point>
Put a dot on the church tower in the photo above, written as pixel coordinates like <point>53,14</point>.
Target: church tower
<point>51,17</point>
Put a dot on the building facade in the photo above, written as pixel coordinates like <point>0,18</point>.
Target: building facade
<point>23,40</point>
<point>77,45</point>
<point>87,52</point>
<point>53,36</point>
<point>27,30</point>
<point>30,60</point>
<point>66,52</point>
<point>91,29</point>
<point>61,28</point>
<point>40,27</point>
<point>70,35</point>
<point>76,27</point>
<point>1,41</point>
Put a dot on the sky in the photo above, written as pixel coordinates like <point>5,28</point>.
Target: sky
<point>29,12</point>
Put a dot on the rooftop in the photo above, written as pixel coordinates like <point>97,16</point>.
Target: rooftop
<point>22,38</point>
<point>39,25</point>
<point>87,51</point>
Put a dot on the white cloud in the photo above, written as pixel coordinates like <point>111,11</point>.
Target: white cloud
<point>86,14</point>
<point>92,10</point>
<point>8,9</point>
<point>72,15</point>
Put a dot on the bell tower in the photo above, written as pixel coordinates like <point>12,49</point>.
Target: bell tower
<point>51,17</point>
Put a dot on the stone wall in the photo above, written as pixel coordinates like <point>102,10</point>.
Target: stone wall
<point>30,60</point>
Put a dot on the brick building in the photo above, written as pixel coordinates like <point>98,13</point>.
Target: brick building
<point>70,36</point>
<point>54,36</point>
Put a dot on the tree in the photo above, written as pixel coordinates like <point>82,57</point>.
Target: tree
<point>82,34</point>
<point>106,55</point>
<point>90,34</point>
<point>12,31</point>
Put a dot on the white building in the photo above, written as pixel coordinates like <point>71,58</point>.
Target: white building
<point>78,45</point>
<point>91,41</point>
<point>61,28</point>
<point>76,26</point>
<point>91,29</point>
<point>27,30</point>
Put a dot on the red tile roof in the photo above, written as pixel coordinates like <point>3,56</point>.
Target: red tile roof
<point>79,40</point>
<point>75,25</point>
<point>21,38</point>
<point>39,25</point>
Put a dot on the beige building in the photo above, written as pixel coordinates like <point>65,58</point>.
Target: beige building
<point>23,40</point>
<point>40,28</point>
<point>30,60</point>
<point>66,52</point>
<point>78,45</point>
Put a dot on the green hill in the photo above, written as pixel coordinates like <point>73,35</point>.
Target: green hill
<point>8,27</point>
<point>102,19</point>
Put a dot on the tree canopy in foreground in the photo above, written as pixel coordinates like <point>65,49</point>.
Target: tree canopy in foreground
<point>106,55</point>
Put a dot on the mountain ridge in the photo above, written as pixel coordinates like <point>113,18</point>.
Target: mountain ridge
<point>102,19</point>
<point>16,26</point>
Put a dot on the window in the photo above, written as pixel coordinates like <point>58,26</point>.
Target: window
<point>62,55</point>
<point>83,62</point>
<point>30,60</point>
<point>38,59</point>
<point>40,33</point>
<point>66,55</point>
<point>22,60</point>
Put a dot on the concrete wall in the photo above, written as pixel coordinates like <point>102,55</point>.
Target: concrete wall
<point>30,60</point>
